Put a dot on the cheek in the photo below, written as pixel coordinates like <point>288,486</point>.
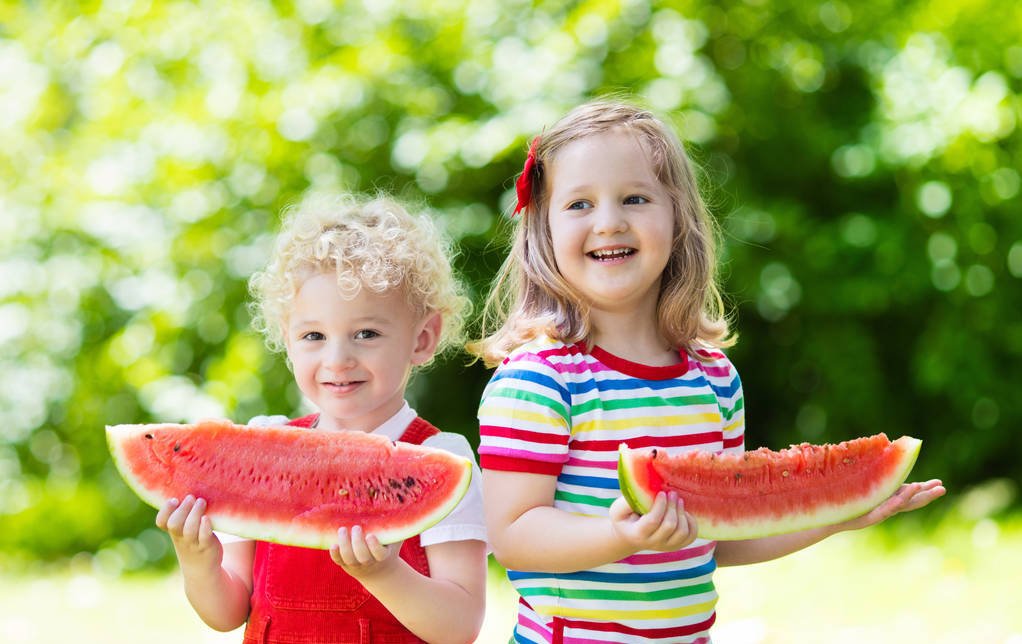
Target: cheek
<point>300,363</point>
<point>664,233</point>
<point>565,241</point>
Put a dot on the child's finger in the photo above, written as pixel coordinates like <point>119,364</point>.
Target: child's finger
<point>206,537</point>
<point>190,528</point>
<point>906,494</point>
<point>910,489</point>
<point>670,521</point>
<point>335,555</point>
<point>897,502</point>
<point>649,522</point>
<point>931,486</point>
<point>176,521</point>
<point>620,510</point>
<point>377,550</point>
<point>359,548</point>
<point>926,496</point>
<point>678,528</point>
<point>344,548</point>
<point>684,530</point>
<point>693,526</point>
<point>164,513</point>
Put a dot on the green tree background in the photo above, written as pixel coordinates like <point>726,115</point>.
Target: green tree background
<point>862,159</point>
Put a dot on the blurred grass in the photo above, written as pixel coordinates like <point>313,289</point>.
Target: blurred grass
<point>956,581</point>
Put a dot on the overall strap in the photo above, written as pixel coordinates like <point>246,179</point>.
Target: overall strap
<point>417,431</point>
<point>304,421</point>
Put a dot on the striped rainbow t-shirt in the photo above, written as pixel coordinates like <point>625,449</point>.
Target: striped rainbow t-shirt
<point>563,410</point>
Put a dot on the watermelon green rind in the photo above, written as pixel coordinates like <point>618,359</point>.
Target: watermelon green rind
<point>717,518</point>
<point>638,498</point>
<point>117,437</point>
<point>314,528</point>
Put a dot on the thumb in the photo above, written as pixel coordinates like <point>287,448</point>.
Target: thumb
<point>620,510</point>
<point>377,549</point>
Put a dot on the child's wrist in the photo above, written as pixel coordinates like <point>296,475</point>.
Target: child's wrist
<point>199,568</point>
<point>623,545</point>
<point>834,528</point>
<point>381,573</point>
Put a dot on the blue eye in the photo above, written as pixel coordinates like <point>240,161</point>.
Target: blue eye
<point>366,334</point>
<point>579,205</point>
<point>313,336</point>
<point>635,200</point>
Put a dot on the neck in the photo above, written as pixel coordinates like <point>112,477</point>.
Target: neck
<point>633,336</point>
<point>367,422</point>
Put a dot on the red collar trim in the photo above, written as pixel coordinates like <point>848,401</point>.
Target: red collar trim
<point>638,370</point>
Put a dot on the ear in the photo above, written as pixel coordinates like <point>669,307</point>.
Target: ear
<point>427,338</point>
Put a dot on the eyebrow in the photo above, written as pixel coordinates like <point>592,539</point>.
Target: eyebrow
<point>642,186</point>
<point>369,319</point>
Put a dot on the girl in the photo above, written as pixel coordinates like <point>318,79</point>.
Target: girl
<point>357,294</point>
<point>607,326</point>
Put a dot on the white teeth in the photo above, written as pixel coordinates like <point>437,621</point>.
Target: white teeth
<point>609,254</point>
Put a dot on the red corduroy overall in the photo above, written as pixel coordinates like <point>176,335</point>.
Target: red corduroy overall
<point>300,596</point>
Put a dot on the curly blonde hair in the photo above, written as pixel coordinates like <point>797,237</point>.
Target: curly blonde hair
<point>530,297</point>
<point>372,243</point>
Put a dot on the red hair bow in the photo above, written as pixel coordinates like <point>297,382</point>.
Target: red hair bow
<point>524,184</point>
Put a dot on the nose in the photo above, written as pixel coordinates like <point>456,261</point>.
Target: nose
<point>339,356</point>
<point>609,218</point>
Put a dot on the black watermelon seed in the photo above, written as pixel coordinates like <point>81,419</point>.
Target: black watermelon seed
<point>409,481</point>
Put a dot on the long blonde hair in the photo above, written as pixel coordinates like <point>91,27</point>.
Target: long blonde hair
<point>530,297</point>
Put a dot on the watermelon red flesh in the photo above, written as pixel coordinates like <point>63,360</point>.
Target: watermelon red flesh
<point>292,486</point>
<point>762,493</point>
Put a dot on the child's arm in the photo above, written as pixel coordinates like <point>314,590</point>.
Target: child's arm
<point>217,578</point>
<point>910,496</point>
<point>527,533</point>
<point>447,606</point>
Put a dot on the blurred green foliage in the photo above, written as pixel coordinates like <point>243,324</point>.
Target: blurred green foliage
<point>863,160</point>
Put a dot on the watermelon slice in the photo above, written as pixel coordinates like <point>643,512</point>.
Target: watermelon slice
<point>290,486</point>
<point>762,493</point>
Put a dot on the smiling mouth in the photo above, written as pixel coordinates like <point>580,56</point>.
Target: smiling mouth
<point>609,254</point>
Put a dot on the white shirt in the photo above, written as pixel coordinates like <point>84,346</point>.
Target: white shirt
<point>465,522</point>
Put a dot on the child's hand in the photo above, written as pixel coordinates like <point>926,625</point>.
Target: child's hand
<point>665,527</point>
<point>191,532</point>
<point>910,496</point>
<point>362,556</point>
